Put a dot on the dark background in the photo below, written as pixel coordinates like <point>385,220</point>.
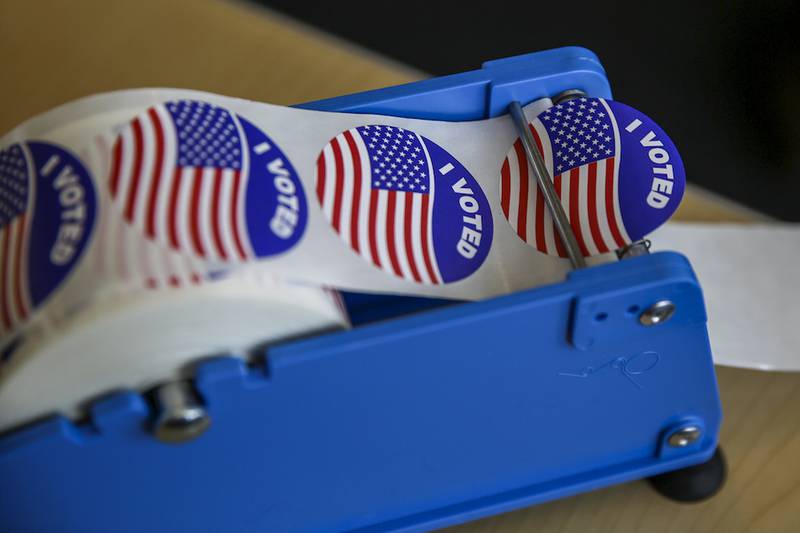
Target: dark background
<point>722,78</point>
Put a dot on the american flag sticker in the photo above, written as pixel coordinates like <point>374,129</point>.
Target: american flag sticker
<point>47,212</point>
<point>204,181</point>
<point>121,255</point>
<point>404,204</point>
<point>617,173</point>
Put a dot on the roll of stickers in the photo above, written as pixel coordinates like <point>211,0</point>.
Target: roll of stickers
<point>144,338</point>
<point>144,229</point>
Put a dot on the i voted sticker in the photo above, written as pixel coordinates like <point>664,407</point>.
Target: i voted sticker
<point>47,213</point>
<point>205,181</point>
<point>404,204</point>
<point>617,173</point>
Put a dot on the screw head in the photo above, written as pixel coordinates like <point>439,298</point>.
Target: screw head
<point>658,313</point>
<point>684,436</point>
<point>569,94</point>
<point>182,425</point>
<point>180,414</point>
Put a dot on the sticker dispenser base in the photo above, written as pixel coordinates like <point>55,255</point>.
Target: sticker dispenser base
<point>427,413</point>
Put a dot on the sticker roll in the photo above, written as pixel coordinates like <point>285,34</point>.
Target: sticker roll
<point>143,229</point>
<point>150,337</point>
<point>116,311</point>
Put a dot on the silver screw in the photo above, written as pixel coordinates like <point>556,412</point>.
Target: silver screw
<point>684,436</point>
<point>569,94</point>
<point>657,313</point>
<point>181,416</point>
<point>634,249</point>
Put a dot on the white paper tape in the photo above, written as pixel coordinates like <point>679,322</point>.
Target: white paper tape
<point>749,277</point>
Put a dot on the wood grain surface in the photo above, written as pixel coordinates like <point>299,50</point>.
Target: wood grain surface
<point>55,51</point>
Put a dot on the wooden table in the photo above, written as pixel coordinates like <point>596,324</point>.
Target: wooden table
<point>56,51</point>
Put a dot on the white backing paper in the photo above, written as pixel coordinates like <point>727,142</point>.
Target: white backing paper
<point>748,273</point>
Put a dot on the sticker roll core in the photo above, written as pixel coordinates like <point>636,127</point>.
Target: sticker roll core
<point>151,337</point>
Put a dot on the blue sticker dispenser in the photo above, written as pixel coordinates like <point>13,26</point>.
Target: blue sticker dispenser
<point>426,413</point>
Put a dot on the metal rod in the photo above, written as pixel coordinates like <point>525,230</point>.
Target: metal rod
<point>546,186</point>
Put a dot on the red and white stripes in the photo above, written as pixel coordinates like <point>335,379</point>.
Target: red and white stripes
<point>390,228</point>
<point>14,299</point>
<point>589,196</point>
<point>122,253</point>
<point>195,209</point>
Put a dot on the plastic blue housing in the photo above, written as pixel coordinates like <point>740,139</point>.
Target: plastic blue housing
<point>410,423</point>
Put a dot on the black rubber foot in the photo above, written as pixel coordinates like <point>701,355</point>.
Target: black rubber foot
<point>695,483</point>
